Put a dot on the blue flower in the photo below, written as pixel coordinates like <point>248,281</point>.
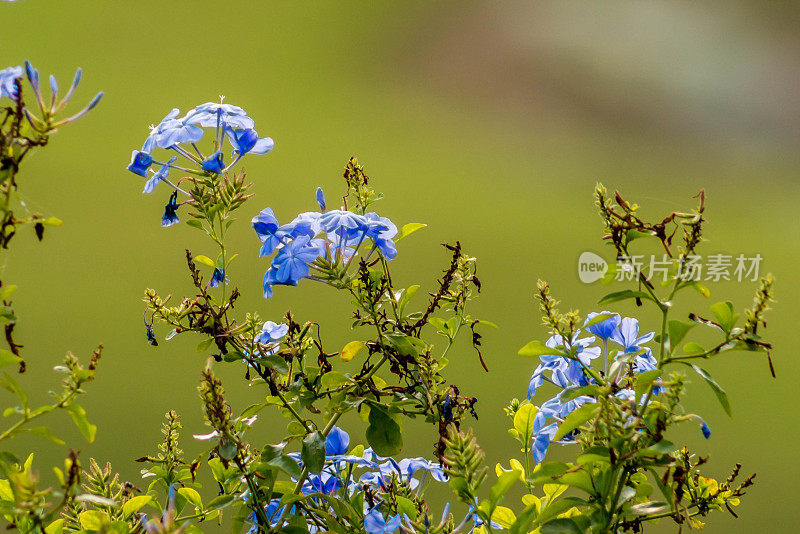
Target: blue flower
<point>269,281</point>
<point>211,115</point>
<point>335,220</point>
<point>542,441</point>
<point>140,162</point>
<point>214,163</point>
<point>381,231</point>
<point>627,335</point>
<point>321,199</point>
<point>161,174</point>
<point>271,332</point>
<point>218,277</point>
<point>605,328</point>
<point>291,263</point>
<point>564,372</point>
<point>268,230</point>
<point>247,141</point>
<point>172,131</point>
<point>323,483</point>
<point>337,442</point>
<point>409,466</point>
<point>8,85</point>
<point>374,523</point>
<point>705,430</point>
<point>170,216</point>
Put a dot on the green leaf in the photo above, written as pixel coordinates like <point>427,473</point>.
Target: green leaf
<point>523,420</point>
<point>576,419</point>
<point>333,379</point>
<point>205,260</point>
<point>383,433</point>
<point>403,344</point>
<point>276,363</point>
<point>351,350</point>
<point>191,495</point>
<point>7,291</point>
<point>220,502</point>
<point>313,453</point>
<point>92,519</point>
<point>195,223</point>
<point>8,358</point>
<point>134,504</point>
<point>725,314</point>
<point>693,348</point>
<point>700,288</point>
<point>677,330</point>
<point>715,387</point>
<point>623,295</point>
<point>286,464</point>
<point>52,221</point>
<point>408,229</point>
<point>524,521</point>
<point>537,348</point>
<point>408,294</point>
<point>504,483</point>
<point>203,345</point>
<point>78,414</point>
<point>562,525</point>
<point>56,527</point>
<point>44,432</point>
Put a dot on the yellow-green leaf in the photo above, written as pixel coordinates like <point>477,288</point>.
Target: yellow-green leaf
<point>351,349</point>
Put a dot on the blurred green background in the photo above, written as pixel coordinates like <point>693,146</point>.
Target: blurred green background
<point>490,122</point>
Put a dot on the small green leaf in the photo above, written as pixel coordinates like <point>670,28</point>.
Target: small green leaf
<point>134,504</point>
<point>504,483</point>
<point>677,331</point>
<point>523,420</point>
<point>191,495</point>
<point>52,221</point>
<point>93,519</point>
<point>276,363</point>
<point>333,379</point>
<point>407,230</point>
<point>7,291</point>
<point>537,348</point>
<point>383,433</point>
<point>561,525</point>
<point>203,345</point>
<point>313,453</point>
<point>700,288</point>
<point>403,344</point>
<point>576,419</point>
<point>78,414</point>
<point>8,358</point>
<point>44,432</point>
<point>205,260</point>
<point>715,387</point>
<point>693,348</point>
<point>725,314</point>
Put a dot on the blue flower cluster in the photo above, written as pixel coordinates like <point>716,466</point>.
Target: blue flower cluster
<point>339,476</point>
<point>333,235</point>
<point>567,372</point>
<point>181,135</point>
